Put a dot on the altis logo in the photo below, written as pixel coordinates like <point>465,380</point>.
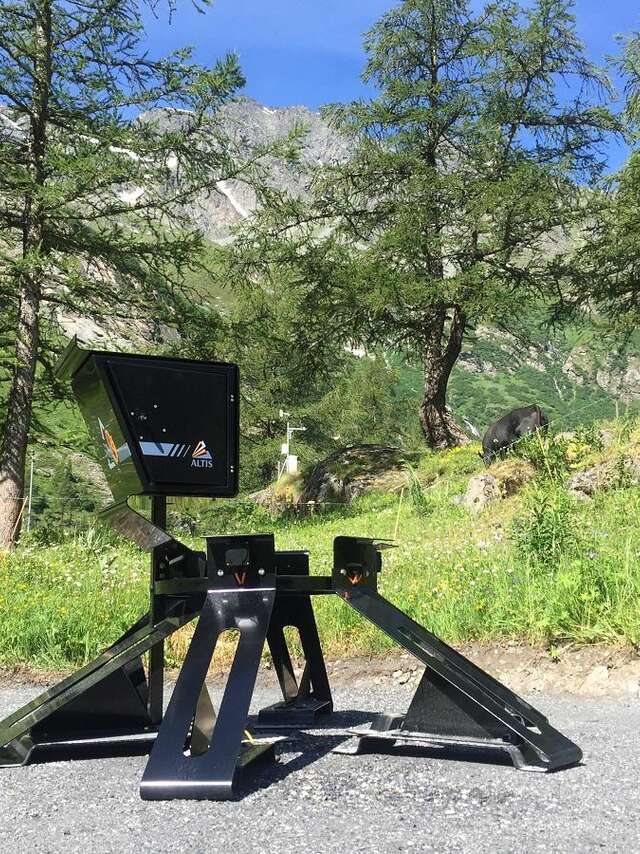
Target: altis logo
<point>201,458</point>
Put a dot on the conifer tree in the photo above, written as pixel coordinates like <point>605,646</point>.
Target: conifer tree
<point>103,148</point>
<point>606,270</point>
<point>463,185</point>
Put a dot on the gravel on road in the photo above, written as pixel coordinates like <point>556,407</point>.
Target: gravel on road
<point>315,801</point>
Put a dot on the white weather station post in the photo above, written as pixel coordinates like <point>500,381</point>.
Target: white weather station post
<point>289,462</point>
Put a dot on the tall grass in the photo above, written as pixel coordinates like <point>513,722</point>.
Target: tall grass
<point>540,567</point>
<point>62,604</point>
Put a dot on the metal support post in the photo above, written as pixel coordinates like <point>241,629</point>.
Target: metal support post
<point>302,703</point>
<point>156,653</point>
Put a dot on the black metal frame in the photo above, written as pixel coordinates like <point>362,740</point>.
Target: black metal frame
<point>456,703</point>
<point>110,707</point>
<point>306,701</point>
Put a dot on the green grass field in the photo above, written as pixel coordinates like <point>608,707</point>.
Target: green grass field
<point>539,567</point>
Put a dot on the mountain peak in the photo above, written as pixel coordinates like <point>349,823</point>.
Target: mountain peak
<point>251,124</point>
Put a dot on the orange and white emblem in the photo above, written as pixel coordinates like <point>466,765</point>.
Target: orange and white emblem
<point>201,452</point>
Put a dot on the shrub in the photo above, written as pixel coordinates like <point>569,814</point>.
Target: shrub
<point>589,436</point>
<point>546,529</point>
<point>419,501</point>
<point>549,454</point>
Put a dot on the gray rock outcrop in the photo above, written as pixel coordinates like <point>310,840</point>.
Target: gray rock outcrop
<point>617,472</point>
<point>350,472</point>
<point>481,491</point>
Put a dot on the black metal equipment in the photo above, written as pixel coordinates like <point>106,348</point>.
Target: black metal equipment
<point>165,426</point>
<point>170,427</point>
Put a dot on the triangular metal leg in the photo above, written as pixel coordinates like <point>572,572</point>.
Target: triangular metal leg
<point>303,704</point>
<point>117,703</point>
<point>197,756</point>
<point>457,703</point>
<point>438,707</point>
<point>99,710</point>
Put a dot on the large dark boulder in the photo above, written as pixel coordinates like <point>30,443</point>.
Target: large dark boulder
<point>352,471</point>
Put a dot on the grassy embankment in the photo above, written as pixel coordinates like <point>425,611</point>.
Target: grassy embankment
<point>540,566</point>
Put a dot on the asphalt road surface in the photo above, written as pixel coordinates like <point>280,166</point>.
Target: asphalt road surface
<point>315,801</point>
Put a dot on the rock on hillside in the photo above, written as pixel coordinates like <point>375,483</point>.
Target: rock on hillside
<point>338,479</point>
<point>350,472</point>
<point>608,474</point>
<point>503,479</point>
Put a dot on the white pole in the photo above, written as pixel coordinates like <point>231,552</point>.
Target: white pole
<point>283,466</point>
<point>30,494</point>
<point>289,437</point>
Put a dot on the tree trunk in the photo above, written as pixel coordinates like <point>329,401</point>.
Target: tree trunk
<point>438,425</point>
<point>30,280</point>
<point>18,420</point>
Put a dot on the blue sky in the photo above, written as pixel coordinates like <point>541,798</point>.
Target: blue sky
<point>310,51</point>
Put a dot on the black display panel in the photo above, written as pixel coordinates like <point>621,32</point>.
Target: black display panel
<point>179,417</point>
<point>163,426</point>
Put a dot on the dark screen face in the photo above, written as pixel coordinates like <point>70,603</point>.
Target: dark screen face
<point>182,421</point>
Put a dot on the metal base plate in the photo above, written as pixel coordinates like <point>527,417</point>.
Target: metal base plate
<point>367,739</point>
<point>208,788</point>
<point>303,712</point>
<point>24,751</point>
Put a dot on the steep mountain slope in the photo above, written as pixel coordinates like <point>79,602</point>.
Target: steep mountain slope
<point>575,376</point>
<point>250,124</point>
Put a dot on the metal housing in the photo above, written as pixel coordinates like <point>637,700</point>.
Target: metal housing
<point>164,426</point>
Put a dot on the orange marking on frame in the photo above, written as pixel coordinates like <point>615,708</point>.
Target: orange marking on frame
<point>112,446</point>
<point>240,577</point>
<point>356,578</point>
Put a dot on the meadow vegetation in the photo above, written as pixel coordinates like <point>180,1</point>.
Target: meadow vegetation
<point>468,285</point>
<point>542,566</point>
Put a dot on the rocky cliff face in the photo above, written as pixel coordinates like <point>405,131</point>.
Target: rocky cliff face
<point>616,373</point>
<point>250,124</point>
